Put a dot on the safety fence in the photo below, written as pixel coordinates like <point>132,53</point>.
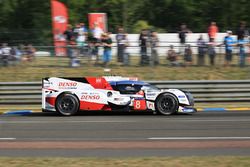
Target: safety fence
<point>232,91</point>
<point>134,49</point>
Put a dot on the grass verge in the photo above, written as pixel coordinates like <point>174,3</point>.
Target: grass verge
<point>215,161</point>
<point>59,66</point>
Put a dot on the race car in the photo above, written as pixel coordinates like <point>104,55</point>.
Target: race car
<point>68,96</point>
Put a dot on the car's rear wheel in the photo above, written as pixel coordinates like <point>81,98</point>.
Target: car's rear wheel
<point>67,104</point>
<point>166,104</point>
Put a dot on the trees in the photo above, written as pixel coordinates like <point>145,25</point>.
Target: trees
<point>29,21</point>
<point>26,21</point>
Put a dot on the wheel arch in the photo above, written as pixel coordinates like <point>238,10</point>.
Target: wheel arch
<point>67,92</point>
<point>169,93</point>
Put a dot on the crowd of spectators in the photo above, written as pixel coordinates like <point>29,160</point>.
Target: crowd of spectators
<point>208,47</point>
<point>81,41</point>
<point>13,55</point>
<point>184,57</point>
<point>148,42</point>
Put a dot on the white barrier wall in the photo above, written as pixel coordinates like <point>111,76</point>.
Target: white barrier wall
<point>168,39</point>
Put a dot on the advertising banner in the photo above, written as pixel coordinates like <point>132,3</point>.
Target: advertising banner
<point>59,13</point>
<point>98,19</point>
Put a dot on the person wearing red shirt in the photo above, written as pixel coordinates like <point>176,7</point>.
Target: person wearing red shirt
<point>212,31</point>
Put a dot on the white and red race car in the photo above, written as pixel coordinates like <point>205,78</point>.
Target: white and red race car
<point>67,96</point>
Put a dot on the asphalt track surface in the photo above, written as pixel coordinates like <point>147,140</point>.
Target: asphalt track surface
<point>125,135</point>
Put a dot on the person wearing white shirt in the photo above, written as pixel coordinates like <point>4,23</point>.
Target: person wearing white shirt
<point>5,52</point>
<point>97,34</point>
<point>97,31</point>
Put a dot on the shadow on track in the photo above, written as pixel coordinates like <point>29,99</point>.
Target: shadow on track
<point>102,113</point>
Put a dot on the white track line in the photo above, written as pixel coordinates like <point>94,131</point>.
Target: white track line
<point>199,138</point>
<point>9,138</point>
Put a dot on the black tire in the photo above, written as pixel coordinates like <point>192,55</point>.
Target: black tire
<point>166,104</point>
<point>67,104</point>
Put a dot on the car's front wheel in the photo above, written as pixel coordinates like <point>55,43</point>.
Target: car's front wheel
<point>67,104</point>
<point>166,104</point>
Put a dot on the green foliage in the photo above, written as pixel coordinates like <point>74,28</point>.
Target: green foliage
<point>139,25</point>
<point>29,21</point>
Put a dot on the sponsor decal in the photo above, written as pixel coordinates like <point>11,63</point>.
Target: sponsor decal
<point>188,110</point>
<point>94,93</point>
<point>90,97</point>
<point>139,98</point>
<point>151,94</point>
<point>150,105</point>
<point>60,19</point>
<point>181,96</point>
<point>67,85</point>
<point>98,80</point>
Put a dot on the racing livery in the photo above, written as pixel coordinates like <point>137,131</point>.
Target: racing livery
<point>67,96</point>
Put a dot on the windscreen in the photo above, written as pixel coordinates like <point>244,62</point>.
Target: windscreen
<point>127,88</point>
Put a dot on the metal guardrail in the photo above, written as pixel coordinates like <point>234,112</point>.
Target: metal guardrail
<point>203,91</point>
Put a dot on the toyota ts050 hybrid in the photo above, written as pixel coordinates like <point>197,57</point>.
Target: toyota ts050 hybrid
<point>67,96</point>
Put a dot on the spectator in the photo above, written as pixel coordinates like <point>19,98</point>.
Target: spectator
<point>97,34</point>
<point>172,56</point>
<point>107,44</point>
<point>18,54</point>
<point>188,56</point>
<point>97,31</point>
<point>154,45</point>
<point>83,28</point>
<point>182,36</point>
<point>143,41</point>
<point>91,47</point>
<point>12,58</point>
<point>84,34</point>
<point>73,53</point>
<point>121,39</point>
<point>201,51</point>
<point>69,33</point>
<point>22,50</point>
<point>1,56</point>
<point>242,31</point>
<point>211,51</point>
<point>228,42</point>
<point>212,31</point>
<point>242,43</point>
<point>80,38</point>
<point>30,53</point>
<point>126,55</point>
<point>5,54</point>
